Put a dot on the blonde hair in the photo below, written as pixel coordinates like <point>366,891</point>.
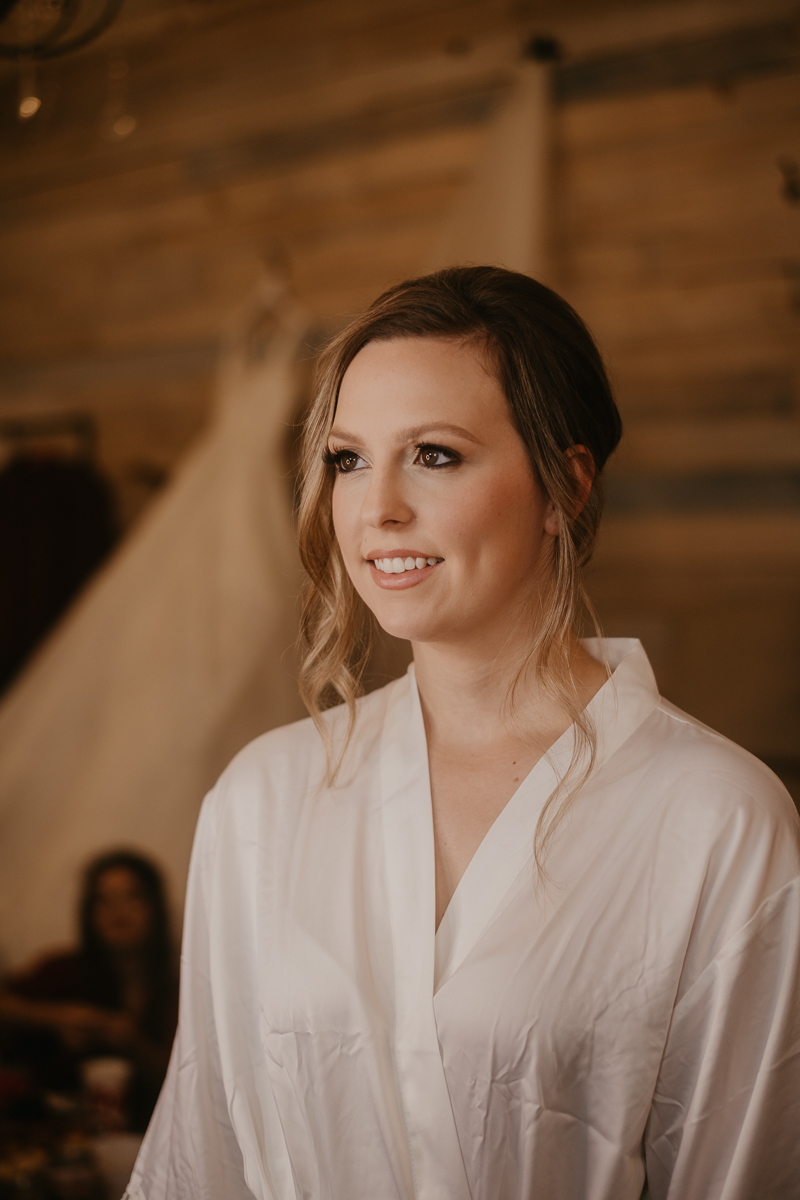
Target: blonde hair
<point>558,395</point>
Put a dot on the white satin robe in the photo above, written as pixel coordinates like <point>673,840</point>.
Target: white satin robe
<point>631,1029</point>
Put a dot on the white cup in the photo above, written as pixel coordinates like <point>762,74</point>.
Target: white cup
<point>105,1081</point>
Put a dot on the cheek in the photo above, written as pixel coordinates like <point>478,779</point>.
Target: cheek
<point>338,511</point>
<point>501,517</point>
<point>343,515</point>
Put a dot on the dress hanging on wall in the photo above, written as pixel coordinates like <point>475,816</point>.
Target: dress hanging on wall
<point>173,658</point>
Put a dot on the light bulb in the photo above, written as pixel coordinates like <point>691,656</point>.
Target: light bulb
<point>29,106</point>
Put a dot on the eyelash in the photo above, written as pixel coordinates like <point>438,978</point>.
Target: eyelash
<point>333,458</point>
<point>451,454</point>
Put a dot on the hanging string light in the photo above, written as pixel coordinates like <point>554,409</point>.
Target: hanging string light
<point>35,30</point>
<point>29,99</point>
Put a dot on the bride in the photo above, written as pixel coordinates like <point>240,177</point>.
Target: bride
<point>513,927</point>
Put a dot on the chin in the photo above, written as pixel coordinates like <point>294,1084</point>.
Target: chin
<point>411,627</point>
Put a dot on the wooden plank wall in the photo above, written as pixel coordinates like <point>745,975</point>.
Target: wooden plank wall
<point>679,243</point>
<point>334,135</point>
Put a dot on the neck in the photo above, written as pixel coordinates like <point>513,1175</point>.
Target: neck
<point>465,690</point>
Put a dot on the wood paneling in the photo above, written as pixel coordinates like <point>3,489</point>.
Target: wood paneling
<point>675,239</point>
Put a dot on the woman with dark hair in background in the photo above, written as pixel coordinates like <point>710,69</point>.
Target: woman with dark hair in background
<point>116,994</point>
<point>512,927</point>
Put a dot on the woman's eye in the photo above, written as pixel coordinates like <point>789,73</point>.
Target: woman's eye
<point>345,461</point>
<point>435,456</point>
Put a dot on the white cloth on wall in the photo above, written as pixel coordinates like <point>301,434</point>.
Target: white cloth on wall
<point>501,215</point>
<point>638,1017</point>
<point>178,654</point>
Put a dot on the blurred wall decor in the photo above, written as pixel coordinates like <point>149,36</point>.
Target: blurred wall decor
<point>356,142</point>
<point>33,30</point>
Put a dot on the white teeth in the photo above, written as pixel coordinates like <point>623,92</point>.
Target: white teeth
<point>396,566</point>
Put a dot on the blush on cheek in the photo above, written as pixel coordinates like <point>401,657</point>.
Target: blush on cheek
<point>346,516</point>
<point>508,507</point>
<point>340,528</point>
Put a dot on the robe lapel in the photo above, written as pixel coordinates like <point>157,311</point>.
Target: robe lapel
<point>438,1166</point>
<point>506,850</point>
<point>629,696</point>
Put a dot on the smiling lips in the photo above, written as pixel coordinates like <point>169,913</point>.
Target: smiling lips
<point>402,570</point>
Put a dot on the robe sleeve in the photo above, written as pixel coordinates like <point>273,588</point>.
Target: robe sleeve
<point>724,1118</point>
<point>191,1150</point>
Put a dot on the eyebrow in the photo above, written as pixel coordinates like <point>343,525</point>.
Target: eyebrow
<point>416,434</point>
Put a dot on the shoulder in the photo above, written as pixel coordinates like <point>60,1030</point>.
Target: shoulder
<point>276,793</point>
<point>727,834</point>
<point>283,767</point>
<point>296,754</point>
<point>704,763</point>
<point>707,807</point>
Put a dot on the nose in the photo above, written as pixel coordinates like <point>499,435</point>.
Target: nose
<point>385,503</point>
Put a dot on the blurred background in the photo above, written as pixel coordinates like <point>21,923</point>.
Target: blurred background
<point>195,192</point>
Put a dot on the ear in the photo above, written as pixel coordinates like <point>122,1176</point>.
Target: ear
<point>581,463</point>
<point>583,468</point>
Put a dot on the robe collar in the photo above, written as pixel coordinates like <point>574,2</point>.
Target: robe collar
<point>620,706</point>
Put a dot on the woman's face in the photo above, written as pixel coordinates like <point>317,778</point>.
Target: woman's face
<point>440,521</point>
<point>121,912</point>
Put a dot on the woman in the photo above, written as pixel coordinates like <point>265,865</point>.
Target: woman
<point>117,994</point>
<point>513,927</point>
